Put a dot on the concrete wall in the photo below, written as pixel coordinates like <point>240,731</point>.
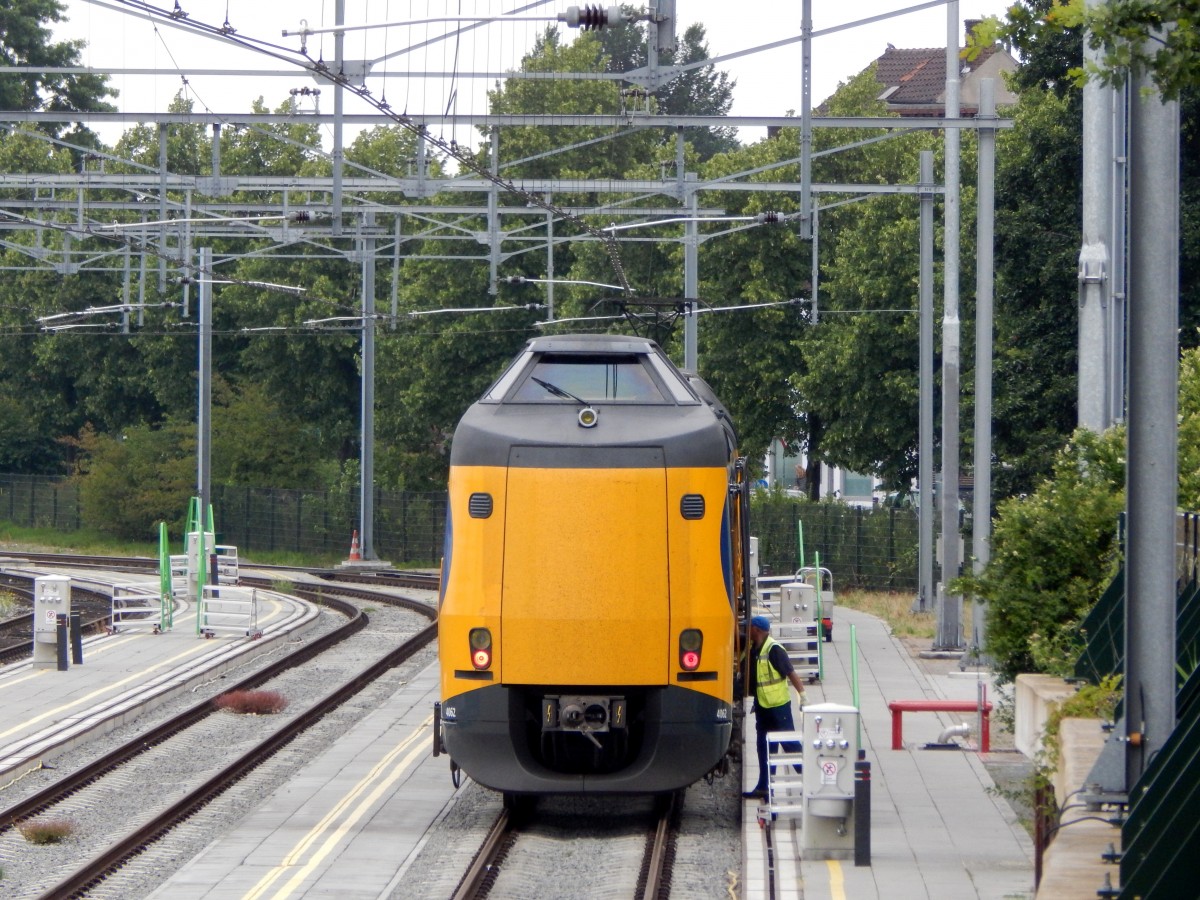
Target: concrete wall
<point>1073,867</point>
<point>1034,696</point>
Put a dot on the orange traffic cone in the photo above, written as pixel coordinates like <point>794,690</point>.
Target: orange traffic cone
<point>354,554</point>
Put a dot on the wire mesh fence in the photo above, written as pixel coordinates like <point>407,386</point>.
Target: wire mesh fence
<point>868,548</point>
<point>408,526</point>
<point>871,549</point>
<point>34,501</point>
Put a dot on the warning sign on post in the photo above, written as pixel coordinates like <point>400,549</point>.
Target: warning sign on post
<point>829,770</point>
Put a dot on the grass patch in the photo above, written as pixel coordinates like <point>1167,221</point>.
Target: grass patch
<point>85,541</point>
<point>46,831</point>
<point>95,543</point>
<point>9,605</point>
<point>896,609</point>
<point>893,608</point>
<point>254,703</point>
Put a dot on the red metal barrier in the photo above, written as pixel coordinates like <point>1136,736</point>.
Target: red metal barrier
<point>900,707</point>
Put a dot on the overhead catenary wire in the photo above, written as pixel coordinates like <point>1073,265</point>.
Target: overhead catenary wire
<point>228,31</point>
<point>320,68</point>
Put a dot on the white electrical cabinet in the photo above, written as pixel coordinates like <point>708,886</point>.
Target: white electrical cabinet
<point>830,752</point>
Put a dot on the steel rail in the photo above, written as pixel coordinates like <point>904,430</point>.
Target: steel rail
<point>655,880</point>
<point>477,880</point>
<point>134,843</point>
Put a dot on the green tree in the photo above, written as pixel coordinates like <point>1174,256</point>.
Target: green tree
<point>1156,37</point>
<point>260,441</point>
<point>859,378</point>
<point>703,91</point>
<point>1055,549</point>
<point>143,474</point>
<point>130,481</point>
<point>25,40</point>
<point>1052,552</point>
<point>1038,198</point>
<point>433,366</point>
<point>1037,238</point>
<point>749,356</point>
<point>1189,430</point>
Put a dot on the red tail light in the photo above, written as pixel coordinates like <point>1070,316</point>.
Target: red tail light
<point>691,640</point>
<point>481,647</point>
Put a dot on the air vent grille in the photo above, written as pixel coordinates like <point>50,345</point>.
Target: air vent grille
<point>480,506</point>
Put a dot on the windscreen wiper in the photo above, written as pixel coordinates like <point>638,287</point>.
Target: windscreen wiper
<point>559,392</point>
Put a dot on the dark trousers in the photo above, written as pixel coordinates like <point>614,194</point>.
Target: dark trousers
<point>773,718</point>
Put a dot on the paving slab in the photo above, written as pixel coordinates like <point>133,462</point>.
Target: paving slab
<point>939,828</point>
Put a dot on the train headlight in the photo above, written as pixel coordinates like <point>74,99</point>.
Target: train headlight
<point>691,640</point>
<point>481,647</point>
<point>588,416</point>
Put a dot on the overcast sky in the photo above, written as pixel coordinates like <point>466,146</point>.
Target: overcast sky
<point>768,81</point>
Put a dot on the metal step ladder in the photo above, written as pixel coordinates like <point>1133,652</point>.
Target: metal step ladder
<point>228,609</point>
<point>785,786</point>
<point>800,640</point>
<point>138,608</point>
<point>792,603</point>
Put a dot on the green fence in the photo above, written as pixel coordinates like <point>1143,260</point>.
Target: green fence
<point>34,501</point>
<point>869,548</point>
<point>408,527</point>
<point>872,549</point>
<point>1160,839</point>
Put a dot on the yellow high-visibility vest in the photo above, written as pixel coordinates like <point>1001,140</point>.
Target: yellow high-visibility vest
<point>771,688</point>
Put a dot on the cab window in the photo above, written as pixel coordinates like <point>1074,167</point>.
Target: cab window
<point>592,379</point>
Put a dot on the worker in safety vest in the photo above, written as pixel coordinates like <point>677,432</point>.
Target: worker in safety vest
<point>770,672</point>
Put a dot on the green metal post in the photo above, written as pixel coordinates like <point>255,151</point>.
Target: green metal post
<point>854,678</point>
<point>820,622</point>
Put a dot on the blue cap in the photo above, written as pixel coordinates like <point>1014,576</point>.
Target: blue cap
<point>761,622</point>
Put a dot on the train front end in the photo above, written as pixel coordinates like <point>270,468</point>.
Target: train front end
<point>586,624</point>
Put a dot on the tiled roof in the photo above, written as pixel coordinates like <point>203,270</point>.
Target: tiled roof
<point>915,80</point>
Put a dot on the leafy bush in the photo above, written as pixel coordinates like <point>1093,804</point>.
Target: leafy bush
<point>146,474</point>
<point>1052,553</point>
<point>128,483</point>
<point>257,703</point>
<point>1091,701</point>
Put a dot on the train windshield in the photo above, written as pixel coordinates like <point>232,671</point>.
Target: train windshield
<point>591,379</point>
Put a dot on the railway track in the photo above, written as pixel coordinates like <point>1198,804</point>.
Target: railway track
<point>378,577</point>
<point>16,641</point>
<point>93,873</point>
<point>632,848</point>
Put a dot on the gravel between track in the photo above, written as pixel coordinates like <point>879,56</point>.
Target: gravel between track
<point>26,866</point>
<point>708,856</point>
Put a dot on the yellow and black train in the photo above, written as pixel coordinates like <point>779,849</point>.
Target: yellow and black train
<point>594,574</point>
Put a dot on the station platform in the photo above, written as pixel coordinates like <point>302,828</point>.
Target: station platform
<point>347,825</point>
<point>938,829</point>
<point>121,676</point>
